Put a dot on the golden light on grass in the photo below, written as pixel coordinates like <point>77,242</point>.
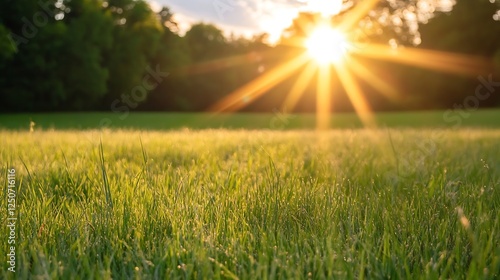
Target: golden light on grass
<point>463,219</point>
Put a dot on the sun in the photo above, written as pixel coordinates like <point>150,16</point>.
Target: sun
<point>331,52</point>
<point>327,45</point>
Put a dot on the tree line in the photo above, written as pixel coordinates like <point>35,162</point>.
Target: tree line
<point>120,55</point>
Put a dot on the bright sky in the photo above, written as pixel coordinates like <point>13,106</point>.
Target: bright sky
<point>248,17</point>
<point>245,16</point>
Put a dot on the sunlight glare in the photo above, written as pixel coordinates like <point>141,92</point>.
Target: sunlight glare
<point>275,22</point>
<point>327,45</point>
<point>323,98</point>
<point>355,93</point>
<point>462,64</point>
<point>254,89</point>
<point>325,7</point>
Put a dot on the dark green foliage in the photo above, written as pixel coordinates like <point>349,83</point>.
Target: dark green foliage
<point>136,35</point>
<point>469,29</point>
<point>7,46</point>
<point>85,78</point>
<point>96,54</point>
<point>205,42</point>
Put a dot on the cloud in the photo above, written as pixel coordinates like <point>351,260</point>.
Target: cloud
<point>244,16</point>
<point>155,6</point>
<point>238,15</point>
<point>227,12</point>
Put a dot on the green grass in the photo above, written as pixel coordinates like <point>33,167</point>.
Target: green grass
<point>254,204</point>
<point>274,120</point>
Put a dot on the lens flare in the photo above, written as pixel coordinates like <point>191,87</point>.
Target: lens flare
<point>327,45</point>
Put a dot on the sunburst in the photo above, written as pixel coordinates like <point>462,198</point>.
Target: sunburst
<point>327,51</point>
<point>327,45</point>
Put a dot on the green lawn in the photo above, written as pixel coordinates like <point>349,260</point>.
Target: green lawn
<point>275,120</point>
<point>396,203</point>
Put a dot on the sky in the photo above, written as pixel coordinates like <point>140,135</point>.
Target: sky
<point>244,17</point>
<point>250,17</point>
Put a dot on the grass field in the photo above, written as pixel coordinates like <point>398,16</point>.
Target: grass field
<point>416,200</point>
<point>277,120</point>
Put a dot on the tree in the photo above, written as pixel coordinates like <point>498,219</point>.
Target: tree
<point>465,28</point>
<point>381,21</point>
<point>88,37</point>
<point>167,20</point>
<point>469,29</point>
<point>136,33</point>
<point>205,42</point>
<point>7,45</point>
<point>171,55</point>
<point>29,79</point>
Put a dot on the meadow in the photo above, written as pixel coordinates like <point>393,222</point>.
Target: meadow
<point>158,196</point>
<point>276,120</point>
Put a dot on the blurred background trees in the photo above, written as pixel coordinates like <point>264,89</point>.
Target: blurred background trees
<point>61,55</point>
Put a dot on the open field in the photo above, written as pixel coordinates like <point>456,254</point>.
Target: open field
<point>253,204</point>
<point>274,120</point>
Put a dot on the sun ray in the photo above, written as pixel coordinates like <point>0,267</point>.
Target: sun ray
<point>359,11</point>
<point>227,62</point>
<point>435,60</point>
<point>374,81</point>
<point>354,93</point>
<point>251,91</point>
<point>222,63</point>
<point>299,87</point>
<point>304,26</point>
<point>329,48</point>
<point>323,97</point>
